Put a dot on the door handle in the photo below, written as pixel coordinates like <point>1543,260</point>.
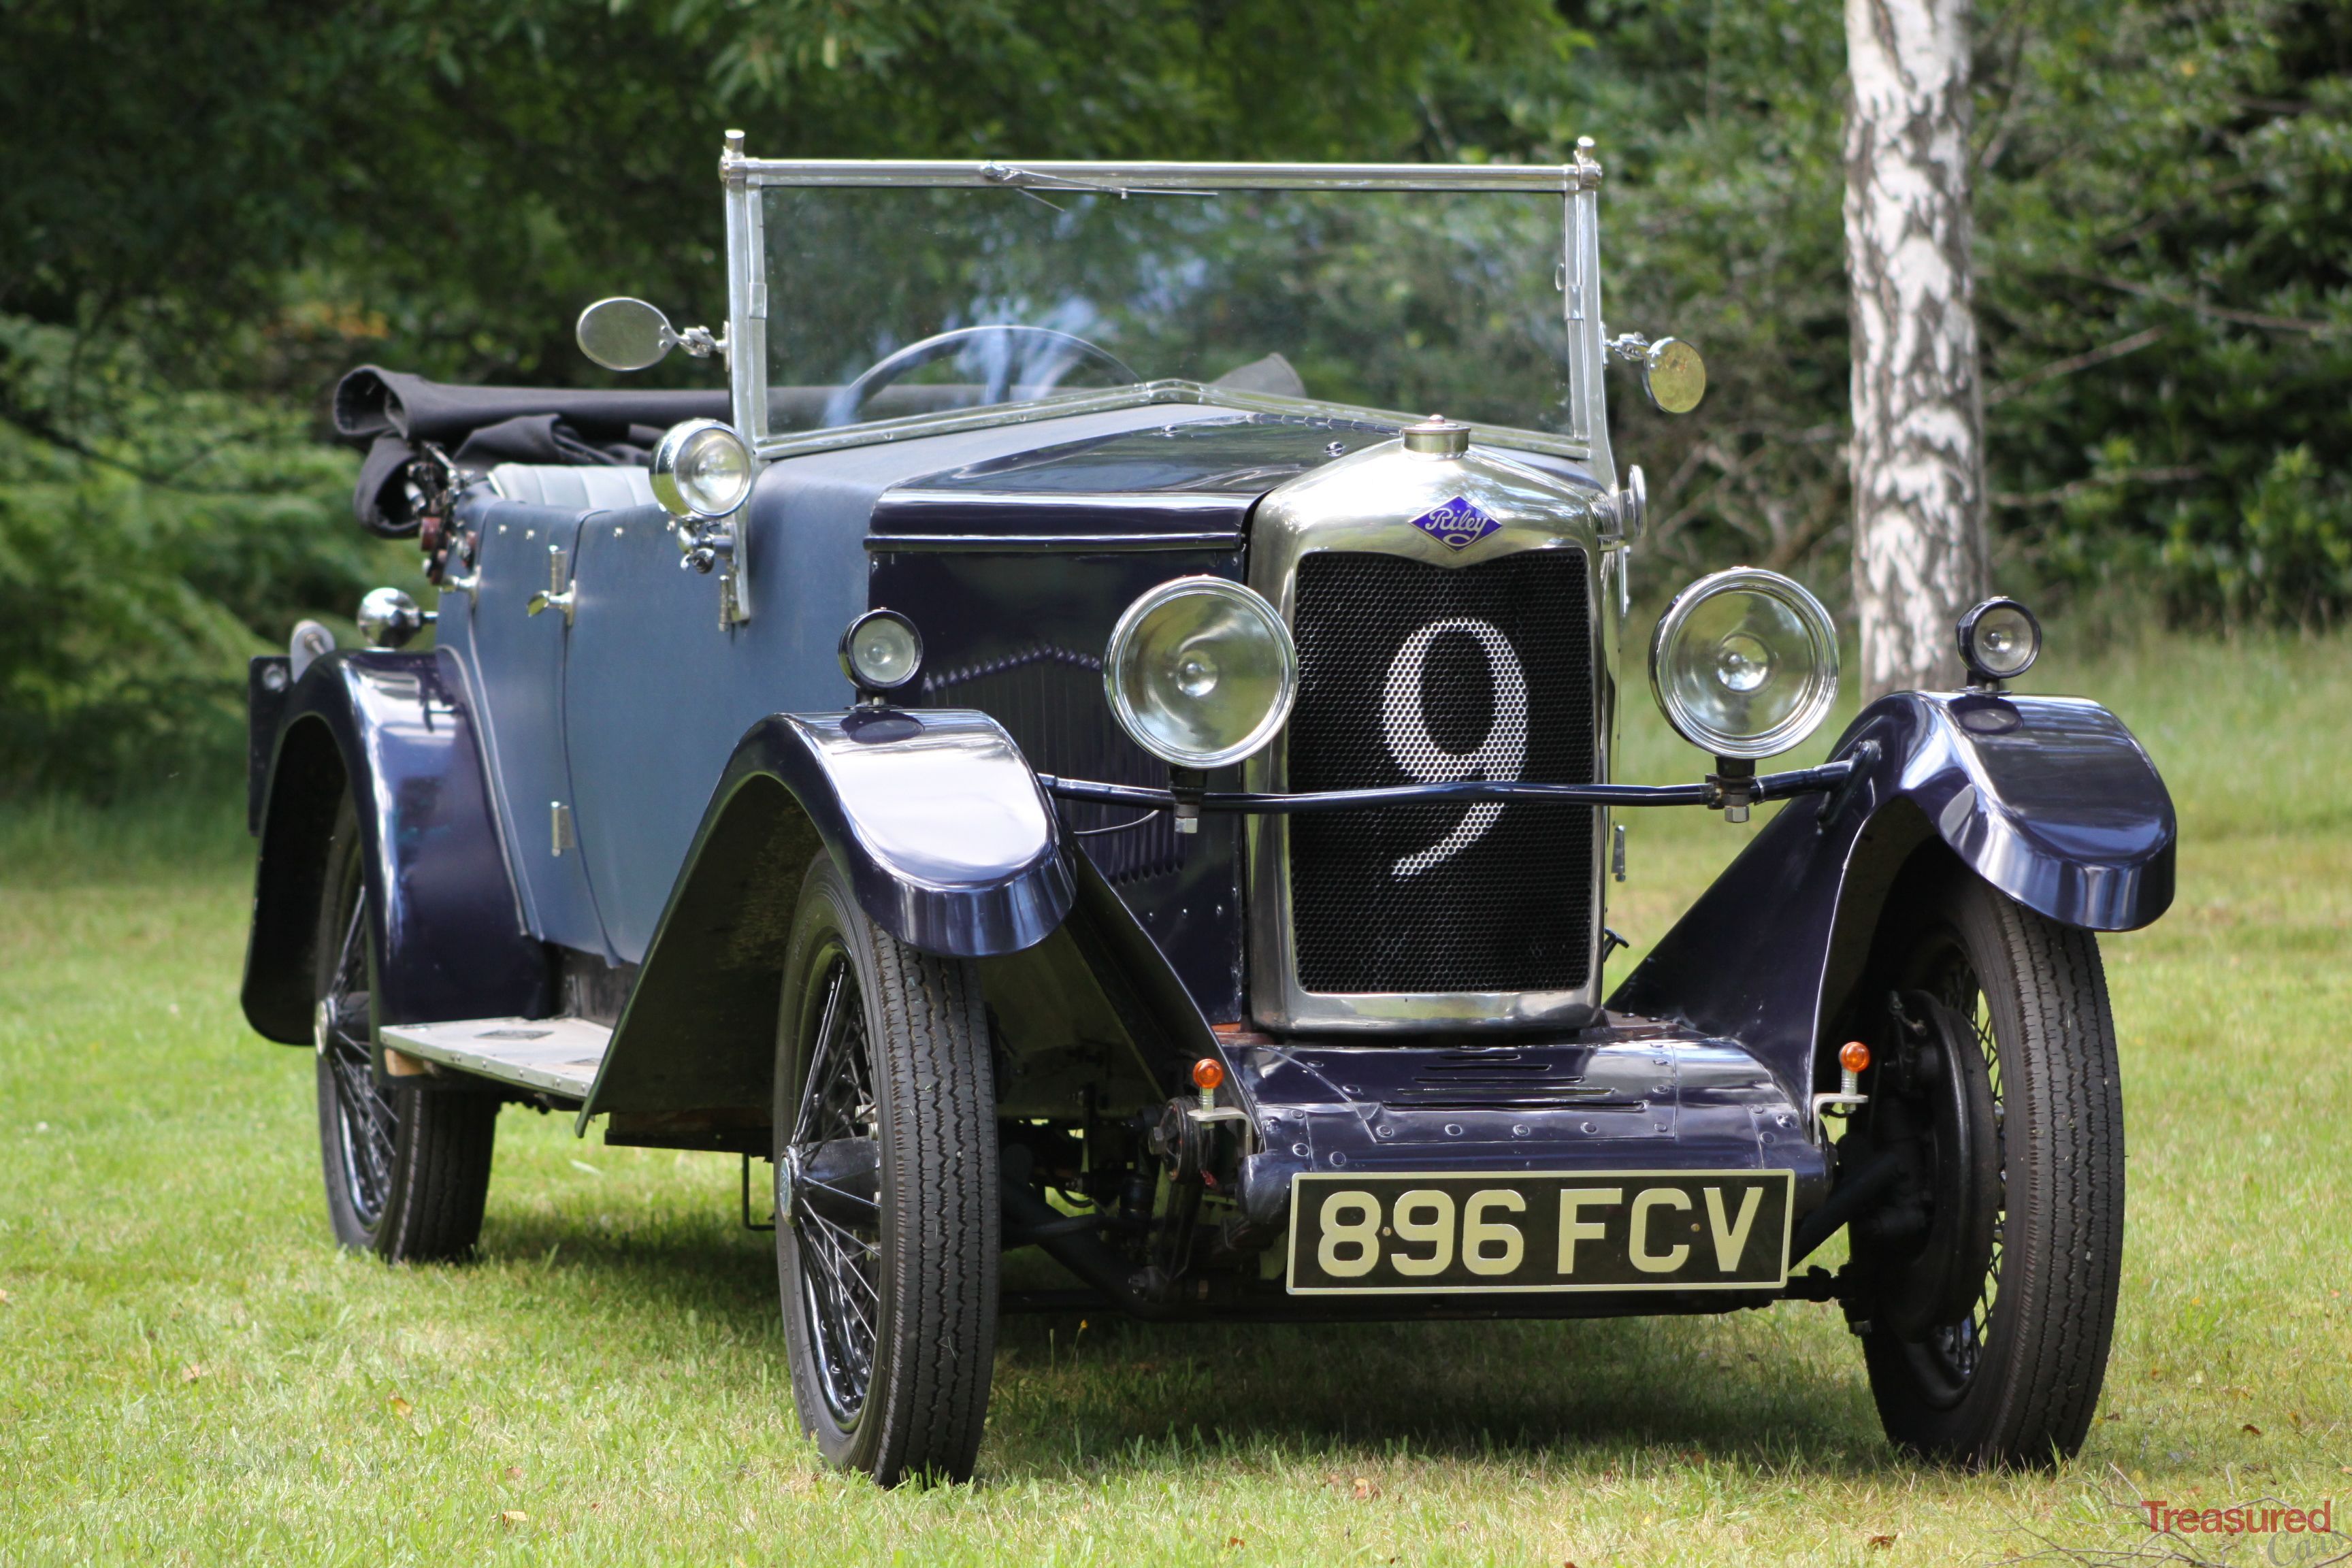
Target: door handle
<point>557,595</point>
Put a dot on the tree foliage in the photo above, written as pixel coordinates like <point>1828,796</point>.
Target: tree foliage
<point>208,209</point>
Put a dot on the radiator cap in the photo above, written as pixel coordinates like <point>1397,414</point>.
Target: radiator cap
<point>1437,436</point>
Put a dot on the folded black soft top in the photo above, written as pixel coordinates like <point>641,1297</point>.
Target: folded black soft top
<point>394,414</point>
<point>372,402</point>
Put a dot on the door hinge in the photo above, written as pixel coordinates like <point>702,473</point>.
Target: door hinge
<point>558,824</point>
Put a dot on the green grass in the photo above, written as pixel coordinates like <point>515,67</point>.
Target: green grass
<point>189,1373</point>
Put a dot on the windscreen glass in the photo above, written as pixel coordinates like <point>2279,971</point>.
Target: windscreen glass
<point>895,300</point>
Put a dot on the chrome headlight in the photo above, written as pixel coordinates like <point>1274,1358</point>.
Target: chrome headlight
<point>702,468</point>
<point>1201,671</point>
<point>1745,663</point>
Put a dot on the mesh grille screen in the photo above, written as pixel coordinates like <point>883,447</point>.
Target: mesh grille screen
<point>1471,673</point>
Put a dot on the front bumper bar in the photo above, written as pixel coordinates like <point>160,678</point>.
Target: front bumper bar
<point>1465,792</point>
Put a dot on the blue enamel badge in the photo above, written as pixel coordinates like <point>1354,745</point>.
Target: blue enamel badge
<point>1457,524</point>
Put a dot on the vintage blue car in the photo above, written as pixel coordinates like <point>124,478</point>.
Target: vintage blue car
<point>1067,750</point>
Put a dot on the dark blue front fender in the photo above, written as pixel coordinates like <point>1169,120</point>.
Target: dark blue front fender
<point>2050,799</point>
<point>949,841</point>
<point>394,732</point>
<point>934,817</point>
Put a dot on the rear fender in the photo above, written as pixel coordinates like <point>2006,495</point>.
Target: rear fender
<point>947,841</point>
<point>395,731</point>
<point>2050,799</point>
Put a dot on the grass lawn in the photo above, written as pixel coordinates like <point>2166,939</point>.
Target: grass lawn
<point>190,1373</point>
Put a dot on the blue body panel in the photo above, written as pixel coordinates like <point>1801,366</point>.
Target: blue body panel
<point>397,732</point>
<point>948,844</point>
<point>2049,799</point>
<point>648,694</point>
<point>513,662</point>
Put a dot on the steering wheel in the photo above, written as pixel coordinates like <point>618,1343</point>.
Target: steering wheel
<point>1056,350</point>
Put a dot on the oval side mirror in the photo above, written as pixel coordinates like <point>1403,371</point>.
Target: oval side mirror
<point>625,333</point>
<point>1674,375</point>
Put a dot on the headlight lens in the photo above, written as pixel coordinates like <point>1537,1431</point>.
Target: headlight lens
<point>1745,663</point>
<point>881,651</point>
<point>2000,639</point>
<point>702,468</point>
<point>1201,671</point>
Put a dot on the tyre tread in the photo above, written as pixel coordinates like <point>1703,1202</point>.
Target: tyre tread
<point>2033,1399</point>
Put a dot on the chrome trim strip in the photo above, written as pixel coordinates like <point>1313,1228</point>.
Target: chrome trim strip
<point>746,354</point>
<point>1078,500</point>
<point>1166,178</point>
<point>1032,544</point>
<point>1587,358</point>
<point>1141,394</point>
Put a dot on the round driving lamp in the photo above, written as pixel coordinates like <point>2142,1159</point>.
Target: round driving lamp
<point>1201,672</point>
<point>1745,663</point>
<point>701,468</point>
<point>388,617</point>
<point>881,652</point>
<point>1999,640</point>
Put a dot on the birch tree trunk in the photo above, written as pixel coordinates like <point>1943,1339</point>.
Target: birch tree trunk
<point>1920,556</point>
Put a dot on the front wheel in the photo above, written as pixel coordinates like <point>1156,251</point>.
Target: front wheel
<point>886,1202</point>
<point>407,1167</point>
<point>1986,1317</point>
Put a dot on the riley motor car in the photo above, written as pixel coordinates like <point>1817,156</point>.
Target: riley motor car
<point>1096,732</point>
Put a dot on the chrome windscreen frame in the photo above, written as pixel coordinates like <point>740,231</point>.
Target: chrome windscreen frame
<point>1586,438</point>
<point>1275,998</point>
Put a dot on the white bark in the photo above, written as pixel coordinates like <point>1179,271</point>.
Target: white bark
<point>1920,556</point>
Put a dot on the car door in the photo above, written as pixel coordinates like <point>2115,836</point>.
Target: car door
<point>648,724</point>
<point>514,665</point>
<point>657,693</point>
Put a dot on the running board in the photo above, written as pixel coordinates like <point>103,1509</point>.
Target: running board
<point>560,1056</point>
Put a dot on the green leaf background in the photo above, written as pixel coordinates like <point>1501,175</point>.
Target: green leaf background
<point>210,209</point>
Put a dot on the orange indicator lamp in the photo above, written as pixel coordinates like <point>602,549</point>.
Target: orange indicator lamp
<point>1207,1074</point>
<point>1853,1056</point>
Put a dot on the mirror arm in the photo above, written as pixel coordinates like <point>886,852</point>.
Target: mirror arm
<point>702,343</point>
<point>1631,347</point>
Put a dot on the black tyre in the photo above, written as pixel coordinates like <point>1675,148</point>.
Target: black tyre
<point>886,1202</point>
<point>1988,1319</point>
<point>407,1164</point>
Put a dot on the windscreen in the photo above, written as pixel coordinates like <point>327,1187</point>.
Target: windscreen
<point>885,301</point>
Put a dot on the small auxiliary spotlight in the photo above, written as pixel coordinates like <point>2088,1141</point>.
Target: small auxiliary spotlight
<point>1999,640</point>
<point>882,654</point>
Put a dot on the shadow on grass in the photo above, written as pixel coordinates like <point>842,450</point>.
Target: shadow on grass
<point>1590,1392</point>
<point>1779,1389</point>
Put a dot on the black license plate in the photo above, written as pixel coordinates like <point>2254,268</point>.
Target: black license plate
<point>1591,1230</point>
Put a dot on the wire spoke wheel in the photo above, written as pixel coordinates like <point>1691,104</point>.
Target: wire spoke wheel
<point>840,1263</point>
<point>370,1123</point>
<point>886,1202</point>
<point>407,1164</point>
<point>1987,1340</point>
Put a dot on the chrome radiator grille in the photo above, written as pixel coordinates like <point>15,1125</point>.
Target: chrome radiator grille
<point>1414,673</point>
